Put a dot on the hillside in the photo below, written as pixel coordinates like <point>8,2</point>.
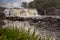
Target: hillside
<point>2,9</point>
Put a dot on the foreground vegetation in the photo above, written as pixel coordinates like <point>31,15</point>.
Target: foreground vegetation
<point>19,34</point>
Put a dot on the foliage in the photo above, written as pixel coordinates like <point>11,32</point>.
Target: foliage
<point>45,3</point>
<point>11,33</point>
<point>24,4</point>
<point>17,34</point>
<point>31,4</point>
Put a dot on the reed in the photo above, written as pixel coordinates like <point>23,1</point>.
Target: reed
<point>11,33</point>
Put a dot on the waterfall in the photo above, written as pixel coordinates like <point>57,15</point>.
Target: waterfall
<point>20,12</point>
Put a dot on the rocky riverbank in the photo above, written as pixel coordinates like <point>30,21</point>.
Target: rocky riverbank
<point>46,25</point>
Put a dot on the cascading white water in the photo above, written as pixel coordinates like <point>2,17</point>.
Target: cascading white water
<point>20,12</point>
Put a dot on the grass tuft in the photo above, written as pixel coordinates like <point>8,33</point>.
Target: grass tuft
<point>11,33</point>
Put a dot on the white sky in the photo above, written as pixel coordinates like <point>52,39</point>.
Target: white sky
<point>13,3</point>
<point>27,1</point>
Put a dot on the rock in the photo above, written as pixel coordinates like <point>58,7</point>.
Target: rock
<point>52,11</point>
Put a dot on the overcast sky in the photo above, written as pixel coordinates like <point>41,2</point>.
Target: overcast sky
<point>12,3</point>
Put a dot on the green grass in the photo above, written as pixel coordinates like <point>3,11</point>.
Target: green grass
<point>11,33</point>
<point>17,34</point>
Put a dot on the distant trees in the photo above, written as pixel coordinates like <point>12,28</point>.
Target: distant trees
<point>31,4</point>
<point>24,4</point>
<point>45,3</point>
<point>42,5</point>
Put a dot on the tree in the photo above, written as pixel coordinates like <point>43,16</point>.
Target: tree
<point>31,4</point>
<point>45,3</point>
<point>42,5</point>
<point>24,4</point>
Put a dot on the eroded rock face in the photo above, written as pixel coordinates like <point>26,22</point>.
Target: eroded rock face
<point>48,11</point>
<point>52,11</point>
<point>52,23</point>
<point>41,11</point>
<point>49,24</point>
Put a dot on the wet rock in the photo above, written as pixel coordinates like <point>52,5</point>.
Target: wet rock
<point>52,11</point>
<point>40,11</point>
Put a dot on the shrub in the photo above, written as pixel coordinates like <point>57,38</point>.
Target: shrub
<point>11,33</point>
<point>17,34</point>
